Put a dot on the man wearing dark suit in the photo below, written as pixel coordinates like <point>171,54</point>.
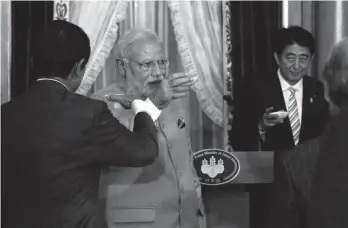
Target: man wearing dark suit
<point>54,142</point>
<point>255,127</point>
<point>292,185</point>
<point>329,188</point>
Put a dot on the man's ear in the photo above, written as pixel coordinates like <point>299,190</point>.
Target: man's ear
<point>80,68</point>
<point>276,57</point>
<point>121,66</point>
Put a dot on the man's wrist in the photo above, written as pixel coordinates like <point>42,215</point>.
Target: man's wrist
<point>146,106</point>
<point>152,108</point>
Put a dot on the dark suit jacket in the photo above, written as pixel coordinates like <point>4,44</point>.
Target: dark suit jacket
<point>329,195</point>
<point>54,143</point>
<point>259,95</point>
<point>292,185</point>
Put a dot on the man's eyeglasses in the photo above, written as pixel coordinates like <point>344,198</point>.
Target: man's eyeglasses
<point>147,65</point>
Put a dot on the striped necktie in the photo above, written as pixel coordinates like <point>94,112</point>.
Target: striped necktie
<point>294,116</point>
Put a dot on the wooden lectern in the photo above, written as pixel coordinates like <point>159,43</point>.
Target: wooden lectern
<point>227,206</point>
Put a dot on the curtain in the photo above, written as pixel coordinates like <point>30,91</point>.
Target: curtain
<point>100,21</point>
<point>252,27</point>
<point>5,50</point>
<point>28,17</point>
<point>228,79</point>
<point>156,15</point>
<point>197,27</point>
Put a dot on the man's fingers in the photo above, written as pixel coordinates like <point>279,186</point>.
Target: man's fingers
<point>179,95</point>
<point>179,75</point>
<point>113,97</point>
<point>181,89</point>
<point>189,81</point>
<point>124,101</point>
<point>182,75</point>
<point>268,110</point>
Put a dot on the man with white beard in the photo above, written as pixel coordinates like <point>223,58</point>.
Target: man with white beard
<point>166,193</point>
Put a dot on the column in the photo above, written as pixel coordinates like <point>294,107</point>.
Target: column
<point>5,50</point>
<point>331,25</point>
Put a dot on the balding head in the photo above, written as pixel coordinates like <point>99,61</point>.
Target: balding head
<point>126,43</point>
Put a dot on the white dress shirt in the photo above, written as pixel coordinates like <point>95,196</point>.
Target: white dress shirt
<point>286,93</point>
<point>143,106</point>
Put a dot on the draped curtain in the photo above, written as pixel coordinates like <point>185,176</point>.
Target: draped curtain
<point>198,30</point>
<point>199,50</point>
<point>5,50</point>
<point>100,21</point>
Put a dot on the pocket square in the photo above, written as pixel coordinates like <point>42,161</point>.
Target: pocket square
<point>181,123</point>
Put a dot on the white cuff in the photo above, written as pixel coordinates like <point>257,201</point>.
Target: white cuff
<point>155,112</point>
<point>146,106</point>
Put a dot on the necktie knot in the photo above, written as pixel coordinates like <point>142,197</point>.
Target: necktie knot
<point>292,90</point>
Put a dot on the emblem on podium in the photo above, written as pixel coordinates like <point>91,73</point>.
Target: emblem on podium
<point>215,167</point>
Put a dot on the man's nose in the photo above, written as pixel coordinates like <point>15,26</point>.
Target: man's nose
<point>158,75</point>
<point>297,64</point>
<point>156,72</point>
<point>155,69</point>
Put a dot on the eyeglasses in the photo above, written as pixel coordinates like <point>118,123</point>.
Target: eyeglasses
<point>147,65</point>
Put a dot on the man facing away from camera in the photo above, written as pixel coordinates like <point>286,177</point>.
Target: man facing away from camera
<point>329,187</point>
<point>54,141</point>
<point>166,193</point>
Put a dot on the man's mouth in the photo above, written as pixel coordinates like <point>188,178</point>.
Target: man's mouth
<point>156,82</point>
<point>295,73</point>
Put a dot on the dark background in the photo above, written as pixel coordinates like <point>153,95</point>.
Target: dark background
<point>28,17</point>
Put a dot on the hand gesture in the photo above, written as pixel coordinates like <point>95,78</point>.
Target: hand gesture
<point>123,99</point>
<point>175,86</point>
<point>269,120</point>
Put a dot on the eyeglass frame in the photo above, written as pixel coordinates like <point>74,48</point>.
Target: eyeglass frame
<point>152,63</point>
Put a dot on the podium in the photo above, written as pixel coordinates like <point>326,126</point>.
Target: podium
<point>227,205</point>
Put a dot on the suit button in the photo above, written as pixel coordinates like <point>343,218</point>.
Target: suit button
<point>181,212</point>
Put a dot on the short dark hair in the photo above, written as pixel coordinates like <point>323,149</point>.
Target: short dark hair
<point>293,35</point>
<point>60,46</point>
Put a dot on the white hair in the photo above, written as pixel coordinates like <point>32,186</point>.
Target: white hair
<point>124,44</point>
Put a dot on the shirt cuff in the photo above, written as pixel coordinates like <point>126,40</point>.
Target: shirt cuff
<point>155,112</point>
<point>146,106</point>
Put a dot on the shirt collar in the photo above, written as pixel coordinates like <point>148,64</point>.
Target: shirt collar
<point>285,85</point>
<point>54,80</point>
